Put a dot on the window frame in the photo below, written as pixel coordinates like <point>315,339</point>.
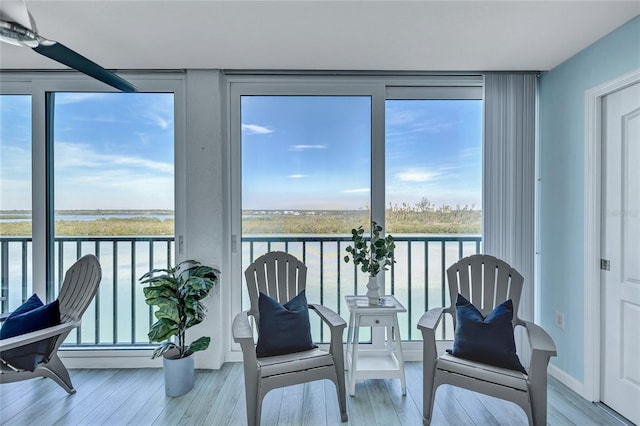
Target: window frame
<point>379,87</point>
<point>39,86</point>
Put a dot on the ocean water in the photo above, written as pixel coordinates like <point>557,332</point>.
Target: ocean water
<point>9,217</point>
<point>120,314</point>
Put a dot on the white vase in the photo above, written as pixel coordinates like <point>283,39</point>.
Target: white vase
<point>373,290</point>
<point>178,375</point>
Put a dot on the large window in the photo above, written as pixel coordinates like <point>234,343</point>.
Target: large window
<point>85,171</point>
<point>113,162</point>
<point>433,193</point>
<point>305,178</point>
<point>15,200</point>
<point>315,164</point>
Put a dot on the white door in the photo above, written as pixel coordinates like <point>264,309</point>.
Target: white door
<point>621,247</point>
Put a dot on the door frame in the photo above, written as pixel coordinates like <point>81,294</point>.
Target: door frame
<point>239,86</point>
<point>592,229</point>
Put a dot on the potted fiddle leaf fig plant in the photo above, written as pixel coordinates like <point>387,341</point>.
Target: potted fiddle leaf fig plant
<point>372,258</point>
<point>178,293</point>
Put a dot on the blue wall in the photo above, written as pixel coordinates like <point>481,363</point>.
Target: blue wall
<point>562,140</point>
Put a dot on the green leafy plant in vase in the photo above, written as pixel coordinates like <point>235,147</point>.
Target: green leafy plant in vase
<point>178,293</point>
<point>372,257</point>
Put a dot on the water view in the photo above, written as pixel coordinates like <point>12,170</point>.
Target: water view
<point>305,177</point>
<point>122,317</point>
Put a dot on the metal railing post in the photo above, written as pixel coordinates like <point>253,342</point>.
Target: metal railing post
<point>399,277</point>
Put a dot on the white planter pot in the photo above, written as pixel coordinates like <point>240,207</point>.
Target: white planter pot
<point>373,291</point>
<point>179,375</point>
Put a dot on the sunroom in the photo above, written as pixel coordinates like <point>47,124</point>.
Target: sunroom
<point>460,127</point>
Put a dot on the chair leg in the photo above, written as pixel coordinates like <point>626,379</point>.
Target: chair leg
<point>251,387</point>
<point>429,387</point>
<point>538,406</point>
<point>538,397</point>
<point>340,387</point>
<point>342,400</point>
<point>253,409</point>
<point>55,370</point>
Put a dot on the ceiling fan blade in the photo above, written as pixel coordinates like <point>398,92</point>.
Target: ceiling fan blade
<point>16,11</point>
<point>60,53</point>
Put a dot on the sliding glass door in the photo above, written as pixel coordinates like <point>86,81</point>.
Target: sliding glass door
<point>113,186</point>
<point>433,194</point>
<point>309,162</point>
<point>306,181</point>
<point>15,201</point>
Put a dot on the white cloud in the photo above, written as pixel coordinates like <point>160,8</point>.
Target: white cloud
<point>416,175</point>
<point>15,194</point>
<point>400,117</point>
<point>356,190</point>
<point>73,98</point>
<point>297,176</point>
<point>432,126</point>
<point>158,110</point>
<point>254,129</point>
<point>158,120</point>
<point>402,121</point>
<point>71,155</point>
<point>305,147</point>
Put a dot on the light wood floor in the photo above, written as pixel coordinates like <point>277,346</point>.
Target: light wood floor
<point>136,397</point>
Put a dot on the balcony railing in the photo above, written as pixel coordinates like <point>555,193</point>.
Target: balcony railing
<point>119,316</point>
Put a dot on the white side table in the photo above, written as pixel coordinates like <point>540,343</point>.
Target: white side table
<point>374,362</point>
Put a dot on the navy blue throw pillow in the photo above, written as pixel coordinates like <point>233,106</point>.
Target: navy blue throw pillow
<point>488,340</point>
<point>283,329</point>
<point>31,303</point>
<point>32,315</point>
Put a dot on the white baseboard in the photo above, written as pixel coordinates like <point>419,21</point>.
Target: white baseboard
<point>109,359</point>
<point>233,356</point>
<point>129,358</point>
<point>568,380</point>
<point>141,358</point>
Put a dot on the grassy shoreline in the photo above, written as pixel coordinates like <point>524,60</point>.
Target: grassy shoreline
<point>339,222</point>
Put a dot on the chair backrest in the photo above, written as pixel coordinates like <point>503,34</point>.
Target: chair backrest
<point>486,282</point>
<point>279,275</point>
<point>80,285</point>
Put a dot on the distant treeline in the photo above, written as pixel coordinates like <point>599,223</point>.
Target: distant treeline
<point>454,221</point>
<point>422,218</point>
<point>97,212</point>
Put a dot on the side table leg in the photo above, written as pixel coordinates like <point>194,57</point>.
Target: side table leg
<point>398,345</point>
<point>354,354</point>
<point>349,343</point>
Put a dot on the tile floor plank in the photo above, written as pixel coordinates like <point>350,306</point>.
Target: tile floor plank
<point>314,411</point>
<point>136,397</point>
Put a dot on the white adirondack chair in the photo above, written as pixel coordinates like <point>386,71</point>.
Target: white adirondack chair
<point>487,282</point>
<point>78,289</point>
<point>281,276</point>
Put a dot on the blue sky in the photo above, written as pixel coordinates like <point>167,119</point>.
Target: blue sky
<point>111,150</point>
<point>115,151</point>
<point>433,149</point>
<point>314,152</point>
<point>15,152</point>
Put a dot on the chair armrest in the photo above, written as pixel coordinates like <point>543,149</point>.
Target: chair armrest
<point>243,334</point>
<point>430,319</point>
<point>36,336</point>
<point>540,340</point>
<point>427,324</point>
<point>542,349</point>
<point>328,316</point>
<point>336,326</point>
<point>241,329</point>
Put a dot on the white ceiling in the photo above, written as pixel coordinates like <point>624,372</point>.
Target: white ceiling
<point>423,35</point>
